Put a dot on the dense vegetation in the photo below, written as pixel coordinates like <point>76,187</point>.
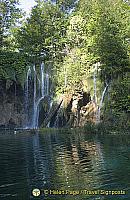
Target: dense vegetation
<point>70,36</point>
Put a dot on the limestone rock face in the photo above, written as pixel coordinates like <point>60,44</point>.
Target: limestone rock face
<point>76,110</point>
<point>11,104</point>
<point>88,113</point>
<point>83,109</point>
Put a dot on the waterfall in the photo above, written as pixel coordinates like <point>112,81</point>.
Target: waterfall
<point>47,84</point>
<point>27,95</point>
<point>27,86</point>
<point>40,90</point>
<point>44,82</point>
<point>101,103</point>
<point>42,79</point>
<point>34,98</point>
<point>36,113</point>
<point>27,82</point>
<point>95,83</point>
<point>39,87</point>
<point>36,117</point>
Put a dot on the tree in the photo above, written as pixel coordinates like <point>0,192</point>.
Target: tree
<point>110,39</point>
<point>101,29</point>
<point>43,32</point>
<point>98,31</point>
<point>65,5</point>
<point>12,64</point>
<point>10,15</point>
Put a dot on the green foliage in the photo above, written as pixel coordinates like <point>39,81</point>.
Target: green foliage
<point>96,33</point>
<point>117,105</point>
<point>120,96</point>
<point>12,66</point>
<point>110,45</point>
<point>65,5</point>
<point>10,15</point>
<point>106,34</point>
<point>43,32</point>
<point>70,43</point>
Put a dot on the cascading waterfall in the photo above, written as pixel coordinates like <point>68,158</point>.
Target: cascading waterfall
<point>95,83</point>
<point>27,82</point>
<point>36,113</point>
<point>27,94</point>
<point>34,98</point>
<point>36,117</point>
<point>40,90</point>
<point>101,103</point>
<point>44,92</point>
<point>98,107</point>
<point>39,87</point>
<point>47,84</point>
<point>42,79</point>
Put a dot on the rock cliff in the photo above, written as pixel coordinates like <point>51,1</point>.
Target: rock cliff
<point>11,104</point>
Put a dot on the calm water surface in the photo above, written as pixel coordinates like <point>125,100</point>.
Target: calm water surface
<point>64,163</point>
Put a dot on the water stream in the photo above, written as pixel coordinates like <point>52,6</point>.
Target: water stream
<point>40,90</point>
<point>28,76</point>
<point>98,112</point>
<point>95,84</point>
<point>34,99</point>
<point>42,79</point>
<point>101,103</point>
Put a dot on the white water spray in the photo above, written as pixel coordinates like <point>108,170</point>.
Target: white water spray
<point>36,113</point>
<point>101,103</point>
<point>34,97</point>
<point>27,95</point>
<point>47,84</point>
<point>40,90</point>
<point>95,83</point>
<point>42,79</point>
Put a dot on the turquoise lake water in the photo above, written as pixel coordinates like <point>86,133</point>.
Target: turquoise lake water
<point>64,166</point>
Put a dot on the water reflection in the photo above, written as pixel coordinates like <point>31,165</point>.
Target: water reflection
<point>63,161</point>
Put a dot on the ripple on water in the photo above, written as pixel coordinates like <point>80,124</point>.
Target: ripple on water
<point>62,161</point>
